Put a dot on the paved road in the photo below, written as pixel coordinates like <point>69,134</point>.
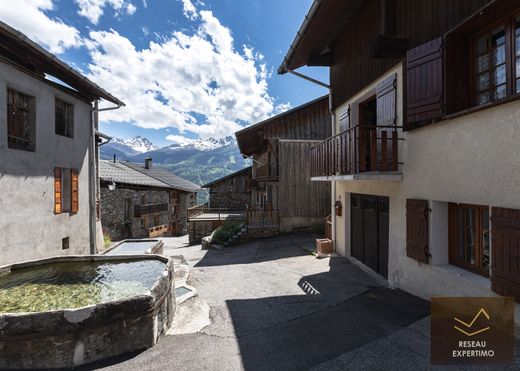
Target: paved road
<point>275,307</point>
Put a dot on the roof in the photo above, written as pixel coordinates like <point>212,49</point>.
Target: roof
<point>165,176</point>
<point>118,172</point>
<point>254,132</point>
<point>316,36</point>
<point>229,176</point>
<point>18,48</point>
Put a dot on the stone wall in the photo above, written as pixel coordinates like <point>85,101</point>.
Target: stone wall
<point>199,229</point>
<point>186,200</point>
<point>117,224</point>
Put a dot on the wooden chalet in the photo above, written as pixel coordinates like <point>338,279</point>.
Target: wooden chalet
<point>425,98</point>
<point>279,148</point>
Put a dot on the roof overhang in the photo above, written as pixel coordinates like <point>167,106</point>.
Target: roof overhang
<point>251,139</point>
<point>18,48</point>
<point>313,44</point>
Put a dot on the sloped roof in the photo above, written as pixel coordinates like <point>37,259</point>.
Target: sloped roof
<point>244,170</point>
<point>118,172</point>
<point>317,34</point>
<point>18,48</point>
<point>165,176</point>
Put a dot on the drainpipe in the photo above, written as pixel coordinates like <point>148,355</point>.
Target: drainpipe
<point>93,174</point>
<point>333,122</point>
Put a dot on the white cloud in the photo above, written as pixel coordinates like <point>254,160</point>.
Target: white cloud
<point>189,10</point>
<point>28,16</point>
<point>183,79</point>
<point>93,9</point>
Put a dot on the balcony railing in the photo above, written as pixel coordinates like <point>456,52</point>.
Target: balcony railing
<point>203,212</point>
<point>267,172</point>
<point>142,210</point>
<point>366,148</point>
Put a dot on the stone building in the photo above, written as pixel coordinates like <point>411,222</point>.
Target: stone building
<point>137,205</point>
<point>232,191</point>
<point>47,153</point>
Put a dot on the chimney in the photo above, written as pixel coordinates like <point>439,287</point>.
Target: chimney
<point>115,158</point>
<point>148,163</point>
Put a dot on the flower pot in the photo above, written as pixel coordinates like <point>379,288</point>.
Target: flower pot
<point>324,246</point>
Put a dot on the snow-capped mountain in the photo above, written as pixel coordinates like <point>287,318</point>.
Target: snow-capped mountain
<point>204,144</point>
<point>138,144</point>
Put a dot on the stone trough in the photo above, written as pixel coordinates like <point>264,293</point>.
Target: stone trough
<point>65,338</point>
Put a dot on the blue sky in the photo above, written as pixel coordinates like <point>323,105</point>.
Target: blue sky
<point>180,65</point>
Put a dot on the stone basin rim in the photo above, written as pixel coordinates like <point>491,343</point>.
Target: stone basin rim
<point>86,258</point>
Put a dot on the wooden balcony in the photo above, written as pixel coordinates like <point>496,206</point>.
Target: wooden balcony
<point>158,231</point>
<point>369,150</point>
<point>142,210</point>
<point>267,172</point>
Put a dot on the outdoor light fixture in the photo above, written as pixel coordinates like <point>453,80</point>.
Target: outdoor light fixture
<point>112,186</point>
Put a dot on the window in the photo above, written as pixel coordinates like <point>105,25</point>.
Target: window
<point>144,222</point>
<point>144,199</point>
<point>21,121</point>
<point>66,190</point>
<point>495,51</point>
<point>469,237</point>
<point>64,118</point>
<point>156,220</point>
<point>65,243</point>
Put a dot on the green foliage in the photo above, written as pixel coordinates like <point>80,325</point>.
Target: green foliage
<point>106,241</point>
<point>224,233</point>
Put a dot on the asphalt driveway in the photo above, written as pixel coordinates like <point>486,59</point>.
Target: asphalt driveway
<point>274,306</point>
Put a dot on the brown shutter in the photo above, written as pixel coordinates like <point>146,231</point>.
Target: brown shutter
<point>505,246</point>
<point>74,192</point>
<point>344,119</point>
<point>386,101</point>
<point>424,84</point>
<point>57,190</point>
<point>417,230</point>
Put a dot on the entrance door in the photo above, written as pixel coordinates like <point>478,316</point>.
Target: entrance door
<point>367,123</point>
<point>369,231</point>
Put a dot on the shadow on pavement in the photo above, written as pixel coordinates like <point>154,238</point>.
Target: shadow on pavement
<point>255,251</point>
<point>317,326</point>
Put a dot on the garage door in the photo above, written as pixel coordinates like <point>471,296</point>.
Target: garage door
<point>369,231</point>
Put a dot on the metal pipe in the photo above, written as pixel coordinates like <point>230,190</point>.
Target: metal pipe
<point>93,173</point>
<point>314,81</point>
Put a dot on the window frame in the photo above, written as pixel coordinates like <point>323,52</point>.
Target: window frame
<point>453,238</point>
<point>68,127</point>
<point>509,28</point>
<point>26,142</point>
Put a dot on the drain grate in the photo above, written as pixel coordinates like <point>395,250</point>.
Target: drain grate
<point>182,290</point>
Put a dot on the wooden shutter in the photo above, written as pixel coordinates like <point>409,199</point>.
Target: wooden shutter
<point>424,84</point>
<point>344,120</point>
<point>74,192</point>
<point>417,230</point>
<point>386,101</point>
<point>57,190</point>
<point>505,246</point>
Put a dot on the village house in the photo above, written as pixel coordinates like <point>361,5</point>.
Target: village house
<point>232,191</point>
<point>183,194</point>
<point>133,205</point>
<point>279,148</point>
<point>48,152</point>
<point>423,161</point>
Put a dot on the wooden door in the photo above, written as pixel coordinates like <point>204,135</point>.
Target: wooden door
<point>367,122</point>
<point>370,231</point>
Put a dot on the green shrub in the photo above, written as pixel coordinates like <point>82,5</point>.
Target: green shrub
<point>106,241</point>
<point>224,233</point>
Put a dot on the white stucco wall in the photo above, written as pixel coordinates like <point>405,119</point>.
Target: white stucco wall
<point>29,229</point>
<point>473,159</point>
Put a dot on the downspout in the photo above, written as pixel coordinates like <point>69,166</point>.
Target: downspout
<point>333,122</point>
<point>93,174</point>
